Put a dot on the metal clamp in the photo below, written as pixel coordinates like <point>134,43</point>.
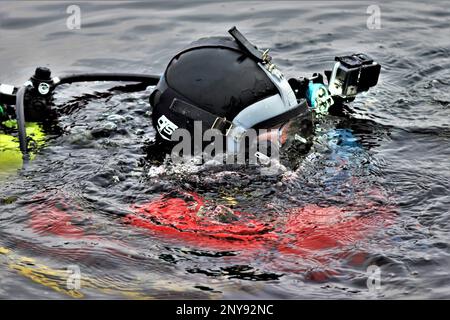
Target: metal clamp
<point>222,124</point>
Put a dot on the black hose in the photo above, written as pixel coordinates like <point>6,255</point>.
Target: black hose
<point>151,80</point>
<point>148,79</point>
<point>20,95</point>
<point>20,115</point>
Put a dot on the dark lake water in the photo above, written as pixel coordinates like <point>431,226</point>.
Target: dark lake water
<point>394,177</point>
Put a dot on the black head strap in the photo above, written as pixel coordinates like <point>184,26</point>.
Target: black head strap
<point>195,113</point>
<point>246,45</point>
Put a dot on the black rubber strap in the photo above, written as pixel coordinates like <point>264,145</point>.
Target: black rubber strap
<point>246,45</point>
<point>215,122</point>
<point>198,114</point>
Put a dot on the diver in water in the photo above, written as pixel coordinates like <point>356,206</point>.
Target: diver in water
<point>228,86</point>
<point>220,91</point>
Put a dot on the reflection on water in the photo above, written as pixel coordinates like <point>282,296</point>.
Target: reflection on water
<point>372,191</point>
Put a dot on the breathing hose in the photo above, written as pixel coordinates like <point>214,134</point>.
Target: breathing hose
<point>88,77</point>
<point>20,116</point>
<point>126,77</point>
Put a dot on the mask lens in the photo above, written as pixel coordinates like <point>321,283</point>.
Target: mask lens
<point>277,135</point>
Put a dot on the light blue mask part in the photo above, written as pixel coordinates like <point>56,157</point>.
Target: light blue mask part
<point>318,97</point>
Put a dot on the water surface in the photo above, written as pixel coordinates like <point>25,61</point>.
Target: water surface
<point>393,172</point>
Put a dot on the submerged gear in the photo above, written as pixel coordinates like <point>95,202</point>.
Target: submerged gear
<point>10,155</point>
<point>190,218</point>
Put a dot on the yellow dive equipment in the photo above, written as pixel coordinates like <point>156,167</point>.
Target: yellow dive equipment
<point>10,155</point>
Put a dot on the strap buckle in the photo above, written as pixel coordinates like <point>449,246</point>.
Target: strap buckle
<point>222,124</point>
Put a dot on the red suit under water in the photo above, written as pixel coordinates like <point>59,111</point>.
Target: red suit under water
<point>299,230</point>
<point>189,219</point>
